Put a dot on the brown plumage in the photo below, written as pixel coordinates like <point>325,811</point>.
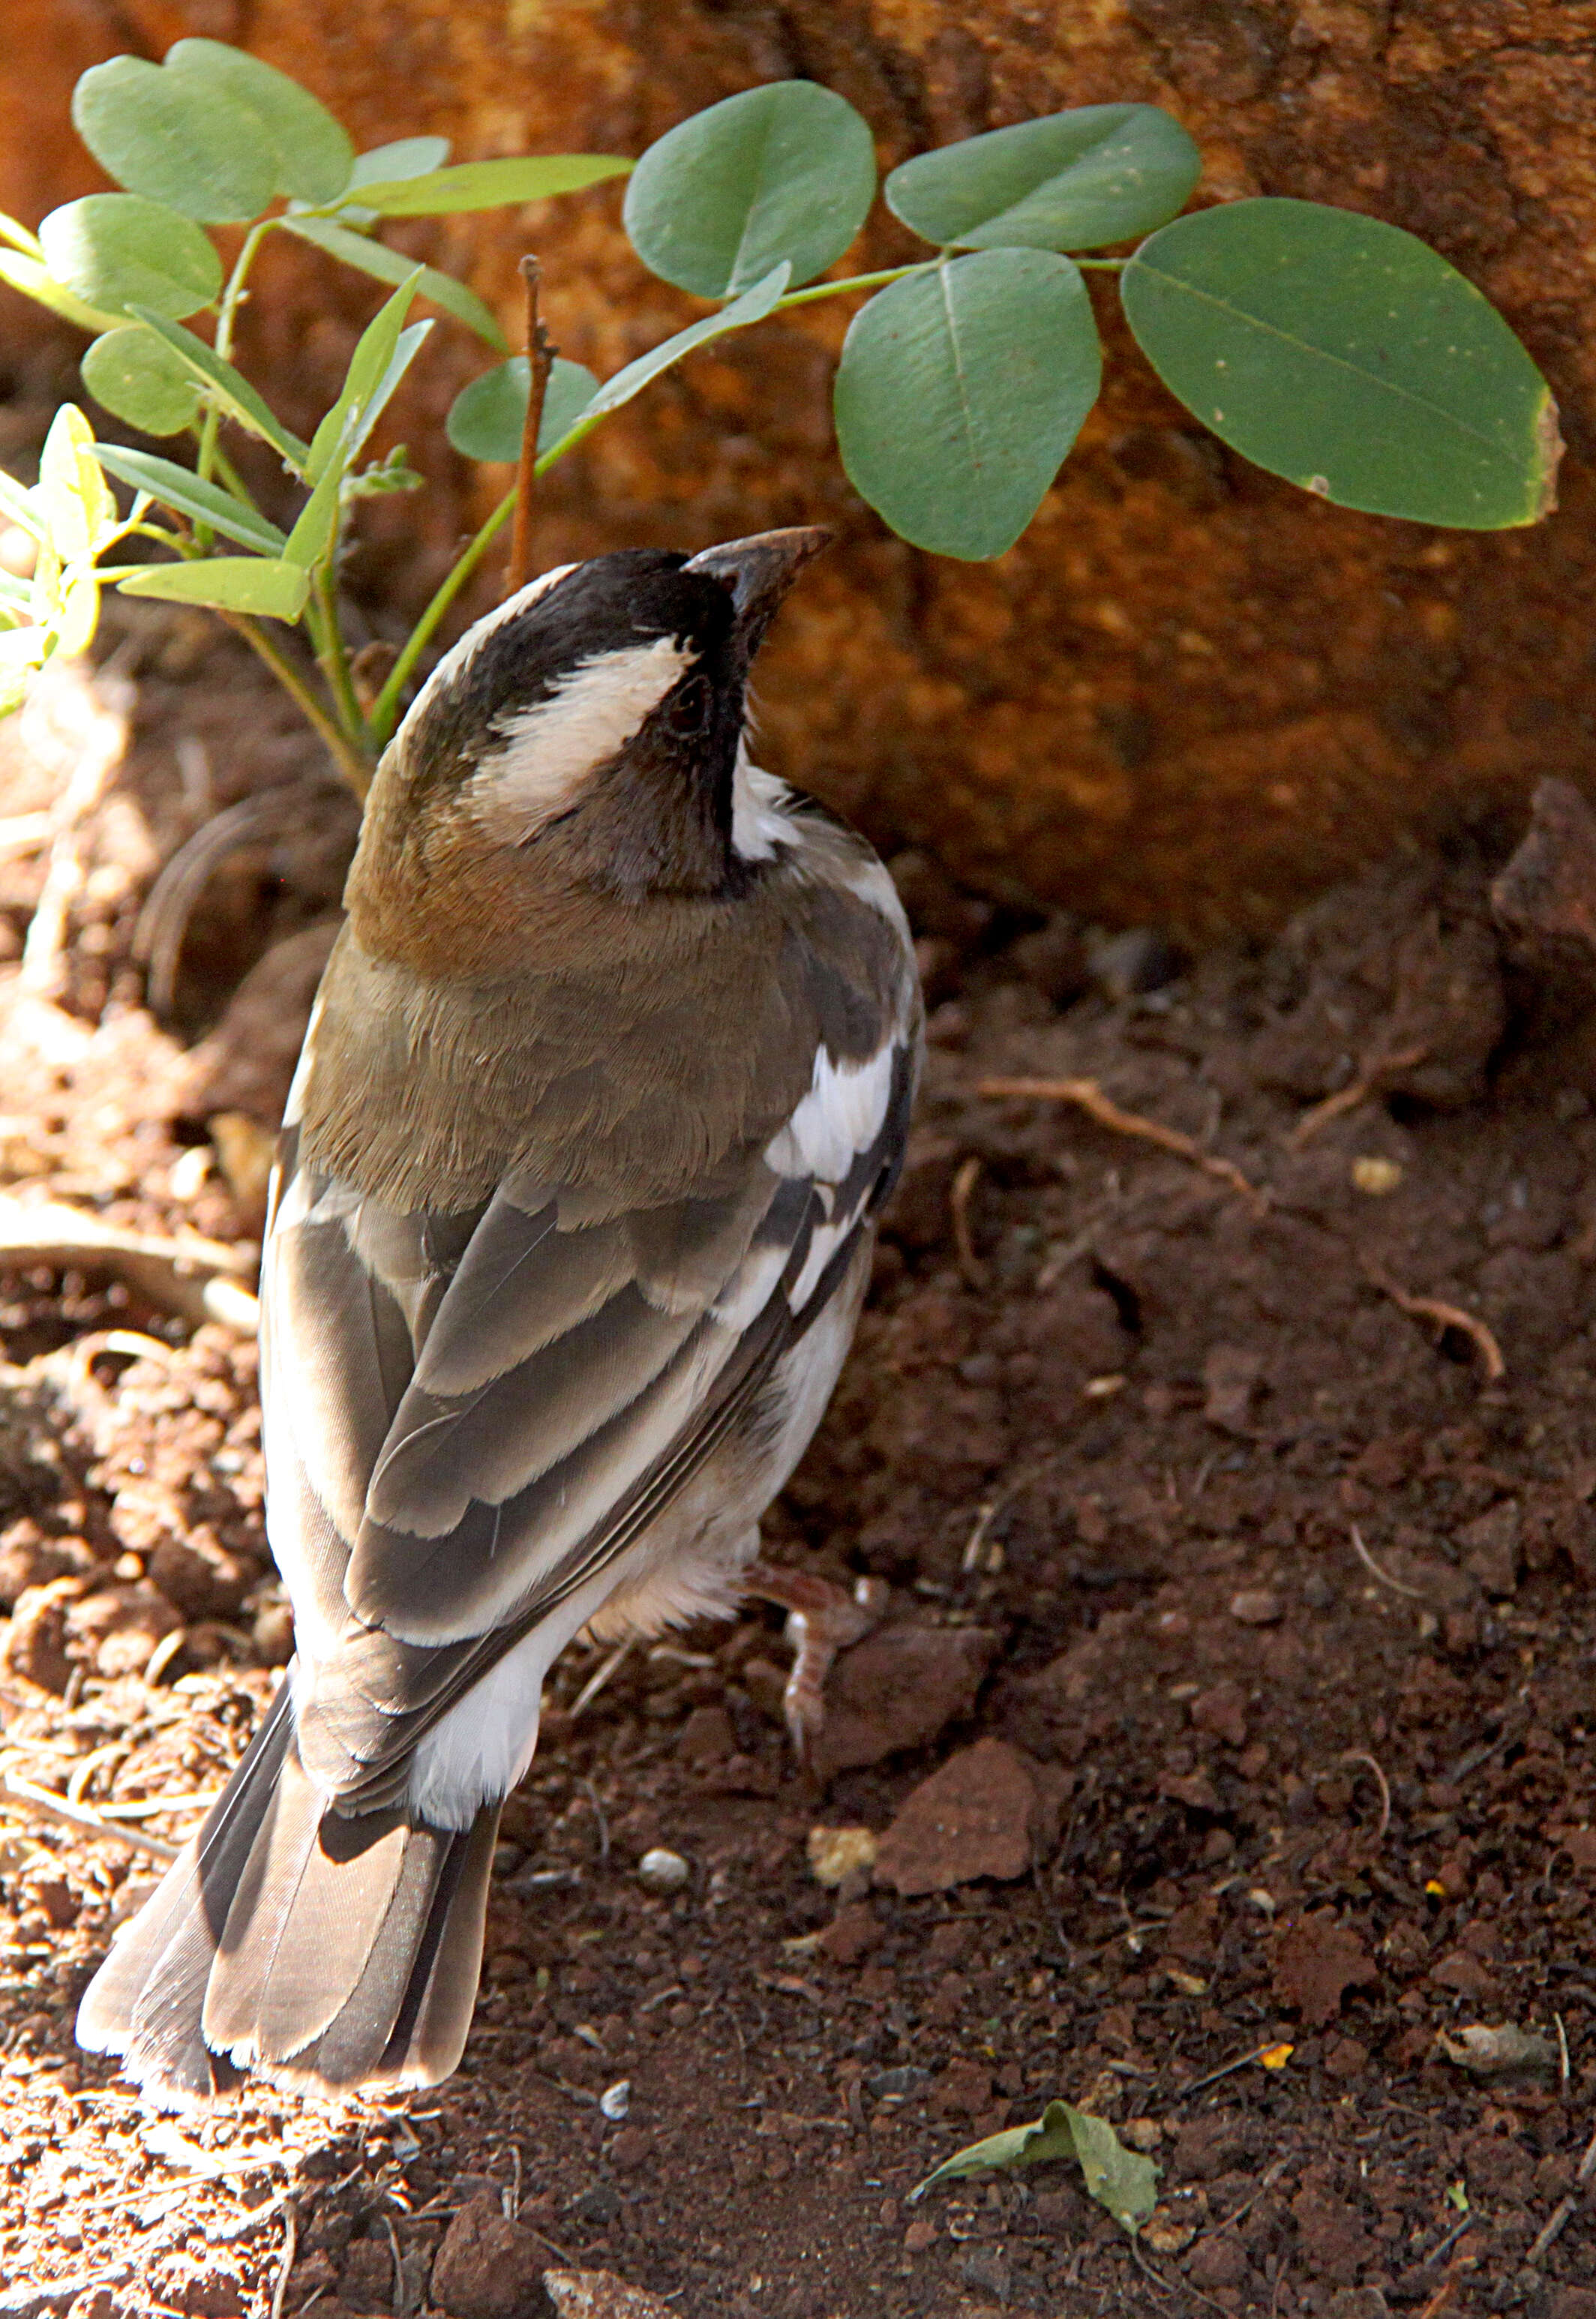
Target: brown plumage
<point>610,1071</point>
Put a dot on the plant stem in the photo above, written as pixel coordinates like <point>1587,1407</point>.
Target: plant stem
<point>385,712</point>
<point>351,763</point>
<point>853,281</point>
<point>1102,265</point>
<point>332,656</point>
<point>540,359</point>
<point>224,347</point>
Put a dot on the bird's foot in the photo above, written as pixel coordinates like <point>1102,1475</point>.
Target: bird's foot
<point>822,1619</point>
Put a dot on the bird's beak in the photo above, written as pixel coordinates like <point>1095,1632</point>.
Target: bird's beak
<point>759,570</point>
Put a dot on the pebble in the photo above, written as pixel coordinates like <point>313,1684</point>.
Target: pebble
<point>662,1870</point>
<point>1257,1606</point>
<point>616,2100</point>
<point>836,1854</point>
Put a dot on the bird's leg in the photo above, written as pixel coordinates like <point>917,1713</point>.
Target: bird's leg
<point>822,1619</point>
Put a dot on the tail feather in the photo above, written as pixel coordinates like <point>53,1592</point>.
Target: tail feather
<point>325,1950</point>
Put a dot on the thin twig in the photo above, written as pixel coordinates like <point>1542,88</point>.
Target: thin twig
<point>1447,2287</point>
<point>1586,2169</point>
<point>959,1199</point>
<point>285,2266</point>
<point>1090,1098</point>
<point>1358,1756</point>
<point>86,1823</point>
<point>1225,2069</point>
<point>1367,1083</point>
<point>540,359</point>
<point>596,1683</point>
<point>198,1279</point>
<point>1446,1316</point>
<point>1384,1576</point>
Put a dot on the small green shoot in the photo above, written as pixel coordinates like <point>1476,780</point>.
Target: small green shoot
<point>1122,2181</point>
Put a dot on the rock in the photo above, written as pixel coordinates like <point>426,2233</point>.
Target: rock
<point>1231,1376</point>
<point>119,1627</point>
<point>202,1577</point>
<point>707,1736</point>
<point>1316,1960</point>
<point>36,1643</point>
<point>852,1934</point>
<point>977,1816</point>
<point>899,1688</point>
<point>662,1870</point>
<point>1222,1710</point>
<point>1491,1548</point>
<point>836,1854</point>
<point>29,1558</point>
<point>1257,1606</point>
<point>1331,2234</point>
<point>985,2269</point>
<point>488,2267</point>
<point>1466,1976</point>
<point>599,2295</point>
<point>1217,2261</point>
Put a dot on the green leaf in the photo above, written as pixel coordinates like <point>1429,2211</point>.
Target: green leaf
<point>227,388</point>
<point>72,495</point>
<point>33,280</point>
<point>78,615</point>
<point>487,416</point>
<point>407,157</point>
<point>339,436</point>
<point>1119,2179</point>
<point>752,306</point>
<point>1347,356</point>
<point>311,155</point>
<point>115,250</point>
<point>384,265</point>
<point>137,378</point>
<point>317,525</point>
<point>787,171</point>
<point>490,185</point>
<point>190,495</point>
<point>169,137</point>
<point>248,584</point>
<point>1073,181</point>
<point>959,392</point>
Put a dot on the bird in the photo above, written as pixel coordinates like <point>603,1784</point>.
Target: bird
<point>606,1081</point>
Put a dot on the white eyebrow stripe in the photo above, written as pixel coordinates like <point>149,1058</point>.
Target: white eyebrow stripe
<point>549,749</point>
<point>461,654</point>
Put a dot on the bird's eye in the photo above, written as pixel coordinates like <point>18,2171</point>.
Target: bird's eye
<point>687,712</point>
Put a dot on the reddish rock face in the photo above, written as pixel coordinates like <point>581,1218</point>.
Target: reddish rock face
<point>1191,693</point>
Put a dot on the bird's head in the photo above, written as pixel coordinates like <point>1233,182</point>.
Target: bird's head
<point>581,739</point>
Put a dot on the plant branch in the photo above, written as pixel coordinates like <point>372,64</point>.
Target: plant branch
<point>224,347</point>
<point>349,760</point>
<point>540,360</point>
<point>333,656</point>
<point>384,713</point>
<point>853,281</point>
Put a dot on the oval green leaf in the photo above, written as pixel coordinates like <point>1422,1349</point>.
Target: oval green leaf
<point>191,495</point>
<point>117,250</point>
<point>487,416</point>
<point>1348,356</point>
<point>787,171</point>
<point>406,157</point>
<point>227,389</point>
<point>311,153</point>
<point>491,184</point>
<point>133,376</point>
<point>169,137</point>
<point>249,584</point>
<point>1074,181</point>
<point>960,391</point>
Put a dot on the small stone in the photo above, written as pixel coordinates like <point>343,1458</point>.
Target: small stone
<point>1491,1548</point>
<point>836,1854</point>
<point>986,2270</point>
<point>1257,1606</point>
<point>488,2267</point>
<point>707,1736</point>
<point>662,1870</point>
<point>599,2295</point>
<point>899,1688</point>
<point>1315,1961</point>
<point>852,1934</point>
<point>920,2234</point>
<point>1217,2261</point>
<point>600,2204</point>
<point>36,1642</point>
<point>1222,1710</point>
<point>1165,2233</point>
<point>972,1818</point>
<point>1466,1975</point>
<point>616,2100</point>
<point>1375,1177</point>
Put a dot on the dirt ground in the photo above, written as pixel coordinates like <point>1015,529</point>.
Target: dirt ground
<point>1237,1502</point>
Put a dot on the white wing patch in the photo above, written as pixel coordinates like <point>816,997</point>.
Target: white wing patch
<point>840,1117</point>
<point>550,749</point>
